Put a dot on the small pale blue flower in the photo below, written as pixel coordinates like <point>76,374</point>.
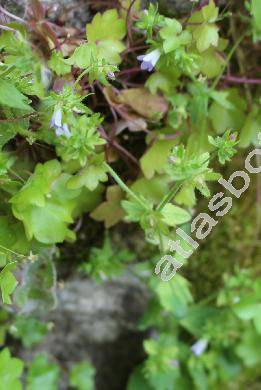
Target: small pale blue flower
<point>111,75</point>
<point>64,130</point>
<point>174,363</point>
<point>46,77</point>
<point>61,129</point>
<point>199,347</point>
<point>56,120</point>
<point>149,60</point>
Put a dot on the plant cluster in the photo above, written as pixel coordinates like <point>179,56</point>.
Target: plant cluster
<point>131,122</point>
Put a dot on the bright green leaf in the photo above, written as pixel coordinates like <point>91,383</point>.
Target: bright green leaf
<point>82,376</point>
<point>206,35</point>
<point>11,97</point>
<point>106,31</point>
<point>8,282</point>
<point>42,375</point>
<point>10,371</point>
<point>173,215</point>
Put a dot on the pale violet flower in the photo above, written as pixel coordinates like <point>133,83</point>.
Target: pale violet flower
<point>174,363</point>
<point>46,77</point>
<point>56,123</point>
<point>56,120</point>
<point>111,75</point>
<point>149,60</point>
<point>64,130</point>
<point>199,347</point>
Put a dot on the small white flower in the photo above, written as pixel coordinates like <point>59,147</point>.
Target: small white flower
<point>149,60</point>
<point>199,347</point>
<point>61,129</point>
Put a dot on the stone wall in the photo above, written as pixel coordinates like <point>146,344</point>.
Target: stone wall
<point>97,322</point>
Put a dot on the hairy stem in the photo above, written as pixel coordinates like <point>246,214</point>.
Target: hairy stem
<point>13,252</point>
<point>170,195</point>
<point>230,54</point>
<point>241,80</point>
<point>124,187</point>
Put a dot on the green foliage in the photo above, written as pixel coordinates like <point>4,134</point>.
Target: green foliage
<point>43,205</point>
<point>106,31</point>
<point>206,33</point>
<point>83,141</point>
<point>174,296</point>
<point>110,211</point>
<point>227,339</point>
<point>58,64</point>
<point>8,282</point>
<point>106,262</point>
<point>160,368</point>
<point>82,376</point>
<point>90,175</point>
<point>74,112</point>
<point>88,57</point>
<point>172,35</point>
<point>224,146</point>
<point>193,171</point>
<point>254,8</point>
<point>249,132</point>
<point>42,374</point>
<point>150,19</point>
<point>233,117</point>
<point>155,158</point>
<point>11,97</point>
<point>29,330</point>
<point>10,371</point>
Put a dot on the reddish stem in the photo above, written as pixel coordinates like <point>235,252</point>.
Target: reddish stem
<point>240,80</point>
<point>128,71</point>
<point>136,48</point>
<point>118,147</point>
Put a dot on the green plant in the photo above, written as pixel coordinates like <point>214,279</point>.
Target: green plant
<point>82,376</point>
<point>147,111</point>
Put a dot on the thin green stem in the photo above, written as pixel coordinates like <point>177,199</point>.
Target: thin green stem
<point>9,250</point>
<point>124,187</point>
<point>161,246</point>
<point>170,195</point>
<point>16,175</point>
<point>209,298</point>
<point>176,187</point>
<point>81,76</point>
<point>241,60</point>
<point>230,54</point>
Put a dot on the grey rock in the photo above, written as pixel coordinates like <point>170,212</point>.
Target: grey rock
<point>17,7</point>
<point>178,7</point>
<point>97,322</point>
<point>171,7</point>
<point>72,13</point>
